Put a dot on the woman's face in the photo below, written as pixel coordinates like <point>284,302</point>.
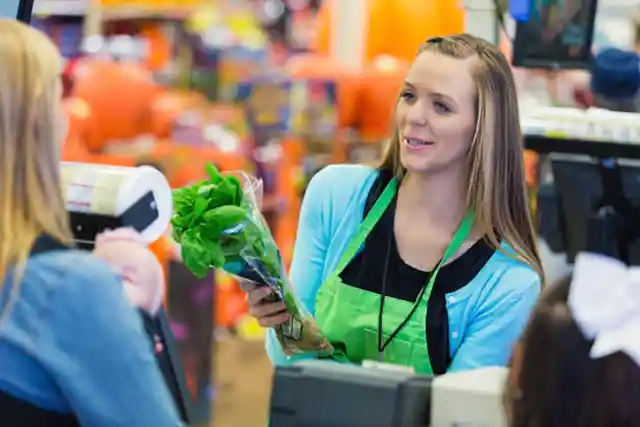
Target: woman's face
<point>436,113</point>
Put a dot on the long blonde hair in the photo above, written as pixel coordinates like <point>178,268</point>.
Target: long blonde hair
<point>31,200</point>
<point>497,187</point>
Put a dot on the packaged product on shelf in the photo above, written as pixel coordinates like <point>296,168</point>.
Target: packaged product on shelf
<point>314,120</point>
<point>268,113</point>
<point>219,224</point>
<point>220,126</point>
<point>314,109</point>
<point>267,104</point>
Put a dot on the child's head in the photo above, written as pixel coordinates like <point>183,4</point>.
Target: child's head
<point>578,362</point>
<point>615,80</point>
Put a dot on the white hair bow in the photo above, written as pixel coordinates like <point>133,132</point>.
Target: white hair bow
<point>604,299</point>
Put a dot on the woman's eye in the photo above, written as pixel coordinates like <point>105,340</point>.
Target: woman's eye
<point>441,108</point>
<point>408,96</point>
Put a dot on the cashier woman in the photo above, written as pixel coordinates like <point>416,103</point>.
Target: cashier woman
<point>430,259</point>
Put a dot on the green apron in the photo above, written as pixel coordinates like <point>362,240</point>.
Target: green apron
<point>349,317</point>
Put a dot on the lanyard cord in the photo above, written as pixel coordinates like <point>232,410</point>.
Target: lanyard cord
<point>382,344</point>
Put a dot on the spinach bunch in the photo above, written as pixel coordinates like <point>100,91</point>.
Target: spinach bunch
<point>219,225</point>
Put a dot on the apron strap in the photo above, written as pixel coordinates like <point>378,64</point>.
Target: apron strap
<point>456,243</point>
<point>462,233</point>
<point>367,224</point>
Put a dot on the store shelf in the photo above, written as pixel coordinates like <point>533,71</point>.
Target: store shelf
<point>142,12</point>
<point>60,7</point>
<point>79,7</point>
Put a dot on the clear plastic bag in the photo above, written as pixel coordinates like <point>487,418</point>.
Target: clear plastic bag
<point>219,224</point>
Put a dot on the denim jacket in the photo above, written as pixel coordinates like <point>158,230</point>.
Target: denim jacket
<point>72,343</point>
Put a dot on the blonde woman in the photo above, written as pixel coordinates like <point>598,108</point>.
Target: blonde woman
<point>72,349</point>
<point>429,260</point>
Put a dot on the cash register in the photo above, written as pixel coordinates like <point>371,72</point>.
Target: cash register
<point>328,394</point>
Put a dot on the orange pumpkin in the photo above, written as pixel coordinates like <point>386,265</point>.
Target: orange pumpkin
<point>119,95</point>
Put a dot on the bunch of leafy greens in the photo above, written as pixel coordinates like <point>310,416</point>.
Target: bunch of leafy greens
<point>219,226</point>
<point>213,224</point>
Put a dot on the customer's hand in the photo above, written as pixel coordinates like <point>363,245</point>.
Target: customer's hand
<point>267,313</point>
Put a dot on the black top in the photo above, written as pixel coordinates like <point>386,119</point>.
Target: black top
<point>405,282</point>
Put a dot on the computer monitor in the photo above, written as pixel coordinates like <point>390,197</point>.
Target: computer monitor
<point>557,35</point>
<point>599,201</point>
<point>589,197</point>
<point>322,394</point>
<point>16,9</point>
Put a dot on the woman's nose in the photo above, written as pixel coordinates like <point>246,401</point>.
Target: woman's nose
<point>417,114</point>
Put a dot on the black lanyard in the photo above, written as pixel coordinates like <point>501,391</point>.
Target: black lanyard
<point>383,344</point>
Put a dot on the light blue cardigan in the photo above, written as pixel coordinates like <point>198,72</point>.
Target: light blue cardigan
<point>485,317</point>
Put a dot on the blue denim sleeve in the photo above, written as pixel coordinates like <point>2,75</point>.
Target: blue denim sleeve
<point>499,321</point>
<point>93,343</point>
<point>309,253</point>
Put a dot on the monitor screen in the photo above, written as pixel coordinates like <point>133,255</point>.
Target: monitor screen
<point>581,194</point>
<point>557,35</point>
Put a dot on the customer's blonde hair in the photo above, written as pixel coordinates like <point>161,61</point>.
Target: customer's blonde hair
<point>31,201</point>
<point>497,188</point>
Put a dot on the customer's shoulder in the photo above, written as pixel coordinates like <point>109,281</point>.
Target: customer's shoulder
<point>68,272</point>
<point>342,181</point>
<point>69,263</point>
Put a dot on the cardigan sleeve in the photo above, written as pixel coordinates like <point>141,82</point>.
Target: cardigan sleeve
<point>310,249</point>
<point>499,321</point>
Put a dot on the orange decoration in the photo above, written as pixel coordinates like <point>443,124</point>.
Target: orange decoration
<point>382,84</point>
<point>160,51</point>
<point>119,95</point>
<point>396,27</point>
<point>78,120</point>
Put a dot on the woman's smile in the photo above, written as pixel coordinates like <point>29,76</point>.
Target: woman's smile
<point>417,143</point>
